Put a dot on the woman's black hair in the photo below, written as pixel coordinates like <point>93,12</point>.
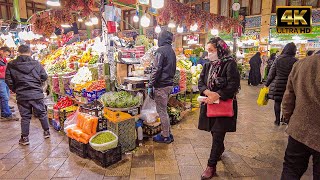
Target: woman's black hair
<point>310,52</point>
<point>222,47</point>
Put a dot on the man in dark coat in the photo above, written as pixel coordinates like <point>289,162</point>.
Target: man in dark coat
<point>278,77</point>
<point>255,66</point>
<point>25,76</point>
<point>301,104</point>
<point>163,71</point>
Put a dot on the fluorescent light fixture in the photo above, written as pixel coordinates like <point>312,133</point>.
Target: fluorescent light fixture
<point>55,3</point>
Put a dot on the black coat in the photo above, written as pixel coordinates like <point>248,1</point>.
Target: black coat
<point>24,76</point>
<point>221,124</point>
<point>255,74</point>
<point>279,72</point>
<point>164,66</point>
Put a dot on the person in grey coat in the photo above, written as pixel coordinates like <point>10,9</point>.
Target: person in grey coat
<point>24,77</point>
<point>301,105</point>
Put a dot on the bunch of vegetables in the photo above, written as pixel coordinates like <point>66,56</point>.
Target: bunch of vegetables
<point>197,51</point>
<point>196,71</point>
<point>103,138</point>
<point>83,75</point>
<point>63,103</point>
<point>174,112</point>
<point>80,87</point>
<point>183,80</point>
<point>184,64</point>
<point>94,59</point>
<point>120,99</point>
<point>86,57</point>
<point>97,86</point>
<point>189,81</point>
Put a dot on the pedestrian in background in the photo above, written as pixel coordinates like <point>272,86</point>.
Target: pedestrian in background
<point>219,79</point>
<point>255,66</point>
<point>270,62</point>
<point>301,104</point>
<point>6,110</point>
<point>263,67</point>
<point>163,71</point>
<point>278,77</point>
<point>25,76</point>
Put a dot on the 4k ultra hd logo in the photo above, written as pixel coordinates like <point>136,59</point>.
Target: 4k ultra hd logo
<point>294,19</point>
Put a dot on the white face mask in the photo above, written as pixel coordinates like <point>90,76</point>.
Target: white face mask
<point>213,56</point>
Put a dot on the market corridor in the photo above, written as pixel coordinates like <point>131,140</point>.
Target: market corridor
<point>256,151</point>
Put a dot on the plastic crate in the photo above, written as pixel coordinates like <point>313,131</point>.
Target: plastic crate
<point>78,148</point>
<point>106,158</point>
<point>94,109</point>
<point>126,132</point>
<point>151,129</point>
<point>94,95</point>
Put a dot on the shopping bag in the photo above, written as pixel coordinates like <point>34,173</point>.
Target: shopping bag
<point>263,97</point>
<point>149,111</point>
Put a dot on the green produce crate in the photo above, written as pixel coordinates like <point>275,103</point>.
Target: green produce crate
<point>126,132</point>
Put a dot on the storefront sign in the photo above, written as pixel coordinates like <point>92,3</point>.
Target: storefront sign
<point>193,39</point>
<point>294,19</point>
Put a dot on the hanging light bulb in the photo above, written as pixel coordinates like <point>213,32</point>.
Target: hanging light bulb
<point>145,21</point>
<point>66,25</point>
<point>185,38</point>
<point>53,36</point>
<point>88,23</point>
<point>94,20</point>
<point>194,27</point>
<point>136,16</point>
<point>31,35</point>
<point>171,24</point>
<point>23,34</point>
<point>214,32</point>
<point>80,19</point>
<point>157,29</point>
<point>53,3</point>
<point>180,29</point>
<point>157,4</point>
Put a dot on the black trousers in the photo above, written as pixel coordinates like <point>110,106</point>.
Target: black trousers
<point>277,110</point>
<point>217,148</point>
<point>39,109</point>
<point>296,161</point>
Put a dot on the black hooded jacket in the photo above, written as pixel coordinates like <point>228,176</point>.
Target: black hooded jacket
<point>164,66</point>
<point>24,76</point>
<point>279,72</point>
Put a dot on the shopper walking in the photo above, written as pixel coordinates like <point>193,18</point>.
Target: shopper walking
<point>25,76</point>
<point>263,67</point>
<point>219,79</point>
<point>255,74</point>
<point>6,110</point>
<point>163,71</point>
<point>278,77</point>
<point>301,104</point>
<point>270,62</point>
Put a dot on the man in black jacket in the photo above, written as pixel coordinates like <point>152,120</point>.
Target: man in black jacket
<point>163,71</point>
<point>25,76</point>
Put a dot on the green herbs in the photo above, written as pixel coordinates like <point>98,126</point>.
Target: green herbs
<point>120,99</point>
<point>103,138</point>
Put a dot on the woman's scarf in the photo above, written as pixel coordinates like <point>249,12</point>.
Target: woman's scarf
<point>215,68</point>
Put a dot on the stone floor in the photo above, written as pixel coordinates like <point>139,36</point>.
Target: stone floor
<point>255,151</point>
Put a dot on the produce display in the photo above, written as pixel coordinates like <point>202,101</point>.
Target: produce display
<point>183,62</point>
<point>120,99</point>
<point>83,75</point>
<point>63,103</point>
<point>189,81</point>
<point>96,86</point>
<point>183,80</point>
<point>196,71</point>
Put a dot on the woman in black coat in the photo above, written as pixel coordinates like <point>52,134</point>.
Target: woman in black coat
<point>278,77</point>
<point>219,79</point>
<point>255,67</point>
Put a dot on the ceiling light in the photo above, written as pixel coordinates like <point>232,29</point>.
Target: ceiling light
<point>157,29</point>
<point>94,20</point>
<point>53,3</point>
<point>88,23</point>
<point>145,21</point>
<point>180,29</point>
<point>157,4</point>
<point>80,19</point>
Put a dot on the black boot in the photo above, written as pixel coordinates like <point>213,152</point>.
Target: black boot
<point>277,122</point>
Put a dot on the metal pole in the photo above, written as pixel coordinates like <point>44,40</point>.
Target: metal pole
<point>236,16</point>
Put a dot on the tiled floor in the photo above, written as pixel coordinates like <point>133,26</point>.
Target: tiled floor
<point>255,151</point>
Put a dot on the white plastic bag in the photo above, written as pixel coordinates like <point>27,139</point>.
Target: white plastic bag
<point>71,121</point>
<point>149,111</point>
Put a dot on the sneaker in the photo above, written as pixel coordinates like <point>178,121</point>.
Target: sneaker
<point>46,134</point>
<point>13,117</point>
<point>161,139</point>
<point>24,141</point>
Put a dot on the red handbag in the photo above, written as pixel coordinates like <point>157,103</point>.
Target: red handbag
<point>223,109</point>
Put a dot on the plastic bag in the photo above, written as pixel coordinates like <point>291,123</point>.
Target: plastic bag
<point>263,97</point>
<point>149,111</point>
<point>71,121</point>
